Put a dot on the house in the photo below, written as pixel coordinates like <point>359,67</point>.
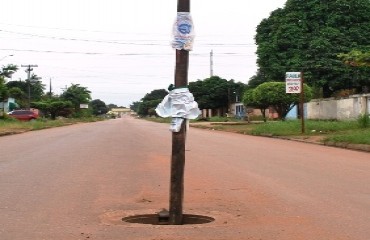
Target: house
<point>8,105</point>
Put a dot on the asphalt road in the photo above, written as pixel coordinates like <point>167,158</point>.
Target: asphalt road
<point>77,182</point>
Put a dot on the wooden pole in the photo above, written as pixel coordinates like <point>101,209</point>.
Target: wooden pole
<point>178,138</point>
<point>301,104</point>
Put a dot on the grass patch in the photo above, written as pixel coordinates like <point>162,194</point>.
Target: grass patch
<point>333,131</point>
<point>11,126</point>
<point>354,137</point>
<point>294,127</point>
<point>286,128</point>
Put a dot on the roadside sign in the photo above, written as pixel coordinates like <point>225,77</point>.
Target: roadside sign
<point>84,106</point>
<point>293,82</point>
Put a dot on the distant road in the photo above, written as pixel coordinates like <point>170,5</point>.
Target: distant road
<point>77,182</point>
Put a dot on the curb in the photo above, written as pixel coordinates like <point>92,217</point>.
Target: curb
<point>349,146</point>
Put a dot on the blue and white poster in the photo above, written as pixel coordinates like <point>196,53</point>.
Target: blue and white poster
<point>183,32</point>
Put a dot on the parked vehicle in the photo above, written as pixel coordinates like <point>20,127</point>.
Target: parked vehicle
<point>24,115</point>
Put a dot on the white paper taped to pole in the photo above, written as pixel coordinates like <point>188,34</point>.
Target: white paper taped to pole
<point>178,104</point>
<point>183,32</point>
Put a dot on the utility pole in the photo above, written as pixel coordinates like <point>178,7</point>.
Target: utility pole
<point>50,88</point>
<point>28,71</point>
<point>178,138</point>
<point>211,63</point>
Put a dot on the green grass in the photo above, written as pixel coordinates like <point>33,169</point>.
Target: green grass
<point>294,127</point>
<point>355,137</point>
<point>9,126</point>
<point>332,131</point>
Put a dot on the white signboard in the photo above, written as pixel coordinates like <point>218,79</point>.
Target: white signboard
<point>293,82</point>
<point>84,106</point>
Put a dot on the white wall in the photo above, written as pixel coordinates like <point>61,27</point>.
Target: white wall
<point>339,109</point>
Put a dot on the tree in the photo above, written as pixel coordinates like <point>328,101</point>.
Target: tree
<point>248,100</point>
<point>215,92</point>
<point>54,107</point>
<point>77,95</point>
<point>111,105</point>
<point>19,95</point>
<point>3,90</point>
<point>148,107</point>
<point>149,102</point>
<point>308,35</point>
<point>36,90</point>
<point>98,107</point>
<point>274,94</point>
<point>356,58</point>
<point>6,72</point>
<point>155,95</point>
<point>256,80</point>
<point>36,87</point>
<point>210,93</point>
<point>135,106</point>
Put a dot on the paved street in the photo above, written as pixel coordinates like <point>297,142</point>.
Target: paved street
<point>77,182</point>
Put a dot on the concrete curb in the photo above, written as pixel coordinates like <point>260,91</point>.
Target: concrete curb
<point>350,146</point>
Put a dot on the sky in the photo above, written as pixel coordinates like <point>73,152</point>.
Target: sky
<point>120,49</point>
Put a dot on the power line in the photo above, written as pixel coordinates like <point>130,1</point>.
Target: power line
<point>199,37</point>
<point>83,40</point>
<point>78,30</point>
<point>120,42</point>
<point>122,54</point>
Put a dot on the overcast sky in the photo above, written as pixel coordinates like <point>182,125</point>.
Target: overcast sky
<point>120,49</point>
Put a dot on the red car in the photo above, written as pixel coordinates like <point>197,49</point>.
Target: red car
<point>24,115</point>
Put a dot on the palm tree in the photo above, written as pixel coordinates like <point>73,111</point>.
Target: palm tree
<point>7,71</point>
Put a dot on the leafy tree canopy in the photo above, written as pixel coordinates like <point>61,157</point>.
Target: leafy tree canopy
<point>274,94</point>
<point>5,72</point>
<point>356,58</point>
<point>216,92</point>
<point>54,107</point>
<point>146,108</point>
<point>249,101</point>
<point>77,95</point>
<point>111,105</point>
<point>35,86</point>
<point>309,35</point>
<point>149,102</point>
<point>98,107</point>
<point>155,95</point>
<point>135,106</point>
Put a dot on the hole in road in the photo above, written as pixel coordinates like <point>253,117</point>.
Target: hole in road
<point>155,219</point>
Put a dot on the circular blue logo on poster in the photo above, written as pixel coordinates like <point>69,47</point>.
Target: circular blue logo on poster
<point>184,28</point>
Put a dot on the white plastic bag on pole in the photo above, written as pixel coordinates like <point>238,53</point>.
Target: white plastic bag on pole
<point>178,104</point>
